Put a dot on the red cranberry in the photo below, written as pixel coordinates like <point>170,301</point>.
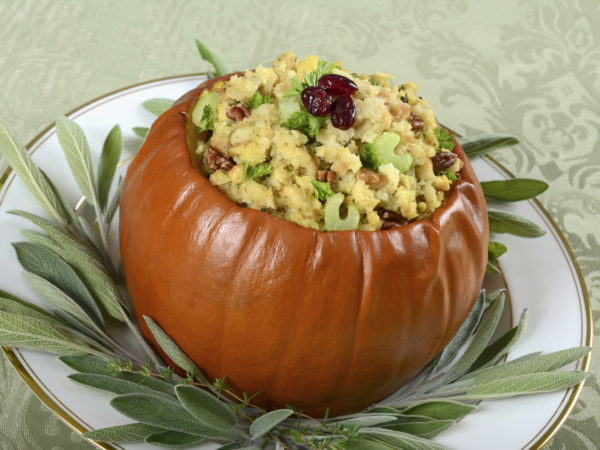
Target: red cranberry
<point>337,84</point>
<point>316,100</point>
<point>343,112</point>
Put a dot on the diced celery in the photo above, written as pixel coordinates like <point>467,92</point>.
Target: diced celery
<point>383,147</point>
<point>288,106</point>
<point>207,98</point>
<point>331,212</point>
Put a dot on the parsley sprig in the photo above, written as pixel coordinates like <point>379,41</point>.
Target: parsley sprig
<point>311,78</point>
<point>207,122</point>
<point>256,100</point>
<point>445,139</point>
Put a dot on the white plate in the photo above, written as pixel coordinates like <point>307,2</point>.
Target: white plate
<point>541,274</point>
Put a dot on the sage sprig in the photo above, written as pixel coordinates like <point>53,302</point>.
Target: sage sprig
<point>443,395</point>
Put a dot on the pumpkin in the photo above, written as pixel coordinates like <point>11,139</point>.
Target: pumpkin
<point>314,319</point>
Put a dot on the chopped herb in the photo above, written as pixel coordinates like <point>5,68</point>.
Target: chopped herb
<point>450,175</point>
<point>304,122</point>
<point>207,121</point>
<point>256,100</point>
<point>288,168</point>
<point>445,139</point>
<point>323,68</point>
<point>347,142</point>
<point>368,157</point>
<point>322,189</point>
<point>404,98</point>
<point>374,83</point>
<point>257,171</point>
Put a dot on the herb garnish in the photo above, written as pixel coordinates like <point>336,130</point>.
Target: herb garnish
<point>322,189</point>
<point>310,79</point>
<point>445,139</point>
<point>256,100</point>
<point>450,175</point>
<point>207,122</point>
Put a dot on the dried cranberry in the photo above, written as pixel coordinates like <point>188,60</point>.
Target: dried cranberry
<point>343,112</point>
<point>316,100</point>
<point>337,84</point>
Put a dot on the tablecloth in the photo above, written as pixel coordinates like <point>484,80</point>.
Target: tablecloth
<point>522,67</point>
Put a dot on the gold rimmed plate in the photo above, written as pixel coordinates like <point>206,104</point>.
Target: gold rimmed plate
<point>542,274</point>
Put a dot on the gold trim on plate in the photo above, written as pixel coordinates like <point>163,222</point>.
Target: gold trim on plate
<point>587,321</point>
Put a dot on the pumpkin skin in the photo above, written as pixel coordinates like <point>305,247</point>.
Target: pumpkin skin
<point>314,319</point>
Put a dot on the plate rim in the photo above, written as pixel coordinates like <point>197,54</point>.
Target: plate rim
<point>566,411</point>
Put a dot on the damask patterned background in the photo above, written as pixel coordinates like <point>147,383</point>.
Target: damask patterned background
<point>524,67</point>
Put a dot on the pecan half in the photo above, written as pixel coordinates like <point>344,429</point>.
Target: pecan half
<point>216,161</point>
<point>443,160</point>
<point>391,219</point>
<point>327,175</point>
<point>373,179</point>
<point>416,122</point>
<point>237,113</point>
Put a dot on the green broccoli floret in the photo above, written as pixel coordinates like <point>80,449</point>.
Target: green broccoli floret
<point>368,157</point>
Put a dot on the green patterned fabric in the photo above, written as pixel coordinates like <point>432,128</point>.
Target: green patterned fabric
<point>524,67</point>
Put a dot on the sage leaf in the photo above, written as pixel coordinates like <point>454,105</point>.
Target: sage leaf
<point>35,334</point>
<point>479,146</point>
<point>205,407</point>
<point>10,303</point>
<point>440,409</point>
<point>141,131</point>
<point>465,331</point>
<point>173,351</point>
<point>85,264</point>
<point>111,152</point>
<point>531,383</point>
<point>503,222</point>
<point>157,106</point>
<point>491,269</point>
<point>132,432</point>
<point>115,385</point>
<point>400,439</point>
<point>531,363</point>
<point>500,347</point>
<point>426,430</point>
<point>89,233</point>
<point>156,411</point>
<point>77,152</point>
<point>30,175</point>
<point>368,444</point>
<point>47,264</point>
<point>173,439</point>
<point>66,210</point>
<point>265,423</point>
<point>100,366</point>
<point>366,420</point>
<point>480,340</point>
<point>513,190</point>
<point>496,249</point>
<point>114,203</point>
<point>220,67</point>
<point>92,317</point>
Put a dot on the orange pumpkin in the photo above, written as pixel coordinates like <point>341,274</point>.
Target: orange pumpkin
<point>318,320</point>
